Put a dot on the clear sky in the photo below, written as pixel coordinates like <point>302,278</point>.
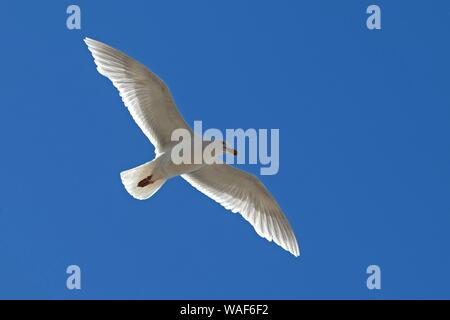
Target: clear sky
<point>364,149</point>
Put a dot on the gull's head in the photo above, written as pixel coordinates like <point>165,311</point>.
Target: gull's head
<point>227,148</point>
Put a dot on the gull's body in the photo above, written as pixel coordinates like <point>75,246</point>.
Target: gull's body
<point>152,107</point>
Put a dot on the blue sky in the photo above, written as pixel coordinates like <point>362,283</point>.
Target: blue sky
<point>364,156</point>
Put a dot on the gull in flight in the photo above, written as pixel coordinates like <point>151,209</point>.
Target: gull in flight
<point>151,105</point>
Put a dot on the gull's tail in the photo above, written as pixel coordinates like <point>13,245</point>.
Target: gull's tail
<point>138,181</point>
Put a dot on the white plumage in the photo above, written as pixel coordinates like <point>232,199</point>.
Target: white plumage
<point>152,107</point>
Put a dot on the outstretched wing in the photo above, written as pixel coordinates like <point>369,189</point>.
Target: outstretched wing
<point>241,192</point>
<point>146,96</point>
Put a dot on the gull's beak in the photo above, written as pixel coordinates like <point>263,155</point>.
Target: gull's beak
<point>230,150</point>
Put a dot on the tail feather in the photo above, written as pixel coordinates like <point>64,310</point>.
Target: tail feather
<point>137,181</point>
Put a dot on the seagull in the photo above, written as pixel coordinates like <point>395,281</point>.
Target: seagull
<point>152,107</point>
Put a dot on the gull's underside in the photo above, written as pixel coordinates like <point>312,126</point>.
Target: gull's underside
<point>152,107</point>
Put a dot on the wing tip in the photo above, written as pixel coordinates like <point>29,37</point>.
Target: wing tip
<point>296,248</point>
<point>88,40</point>
<point>94,44</point>
<point>296,253</point>
<point>291,245</point>
<point>292,249</point>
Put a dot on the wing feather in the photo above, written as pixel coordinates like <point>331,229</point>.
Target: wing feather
<point>241,192</point>
<point>145,95</point>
